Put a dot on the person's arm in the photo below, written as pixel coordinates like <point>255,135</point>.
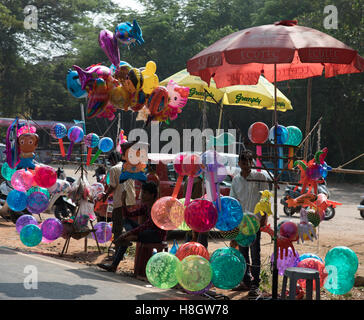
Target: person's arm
<point>232,190</point>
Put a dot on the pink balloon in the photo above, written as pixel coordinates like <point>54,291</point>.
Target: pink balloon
<point>45,176</point>
<point>22,180</point>
<point>109,45</point>
<point>201,215</point>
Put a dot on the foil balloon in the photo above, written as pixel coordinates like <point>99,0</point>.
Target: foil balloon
<point>75,135</point>
<point>128,33</point>
<point>7,172</point>
<point>98,98</point>
<point>91,74</point>
<point>178,97</point>
<point>151,80</point>
<point>59,131</point>
<point>74,84</point>
<point>158,104</point>
<point>108,43</point>
<point>91,141</point>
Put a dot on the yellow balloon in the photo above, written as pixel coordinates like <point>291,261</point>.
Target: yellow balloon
<point>120,98</point>
<point>151,80</point>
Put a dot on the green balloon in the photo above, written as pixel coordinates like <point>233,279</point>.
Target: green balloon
<point>161,270</point>
<point>6,171</point>
<point>194,273</point>
<point>338,282</point>
<point>108,178</point>
<point>294,136</point>
<point>343,258</point>
<point>249,225</point>
<point>228,268</point>
<point>244,240</point>
<point>38,189</point>
<point>31,235</point>
<point>183,226</point>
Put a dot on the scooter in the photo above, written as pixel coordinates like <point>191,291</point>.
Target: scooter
<point>289,191</point>
<point>361,207</point>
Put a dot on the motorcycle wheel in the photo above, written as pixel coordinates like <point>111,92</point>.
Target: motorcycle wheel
<point>362,213</point>
<point>329,213</point>
<point>288,211</point>
<point>14,216</point>
<point>63,212</point>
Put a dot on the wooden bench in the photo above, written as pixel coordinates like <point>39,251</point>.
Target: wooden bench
<point>143,253</point>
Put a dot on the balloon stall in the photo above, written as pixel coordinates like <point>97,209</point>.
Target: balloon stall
<point>122,86</point>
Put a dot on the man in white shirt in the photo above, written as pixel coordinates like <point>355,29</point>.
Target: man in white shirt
<point>248,194</point>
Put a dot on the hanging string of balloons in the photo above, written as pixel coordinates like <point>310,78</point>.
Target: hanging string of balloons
<point>124,87</point>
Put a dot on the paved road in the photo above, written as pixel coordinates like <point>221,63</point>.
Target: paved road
<point>64,280</point>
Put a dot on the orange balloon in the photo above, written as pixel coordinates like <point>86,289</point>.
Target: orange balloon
<point>168,213</point>
<point>192,248</point>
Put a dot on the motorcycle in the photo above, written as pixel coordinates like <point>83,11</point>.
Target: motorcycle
<point>290,192</point>
<point>361,207</point>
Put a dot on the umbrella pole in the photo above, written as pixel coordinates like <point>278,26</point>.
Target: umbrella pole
<point>275,183</point>
<point>220,117</point>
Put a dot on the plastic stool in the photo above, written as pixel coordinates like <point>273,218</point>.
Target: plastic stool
<point>142,254</point>
<point>294,274</point>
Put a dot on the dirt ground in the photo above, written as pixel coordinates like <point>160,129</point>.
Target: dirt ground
<point>345,229</point>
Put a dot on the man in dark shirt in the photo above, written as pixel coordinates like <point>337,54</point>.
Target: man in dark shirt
<point>146,232</point>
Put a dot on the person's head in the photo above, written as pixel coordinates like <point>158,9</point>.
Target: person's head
<point>114,158</point>
<point>245,161</point>
<point>149,192</point>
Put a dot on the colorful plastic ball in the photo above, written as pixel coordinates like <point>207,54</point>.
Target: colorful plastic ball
<point>282,134</point>
<point>6,171</point>
<point>183,226</point>
<point>227,250</point>
<point>45,176</point>
<point>343,258</point>
<point>309,255</point>
<point>17,200</point>
<point>201,215</point>
<point>38,189</point>
<point>249,225</point>
<point>210,161</point>
<point>200,291</point>
<point>192,248</point>
<point>177,163</point>
<point>194,273</point>
<point>228,268</point>
<point>161,270</point>
<point>106,144</point>
<point>92,140</point>
<point>82,219</point>
<point>37,202</point>
<point>52,228</point>
<point>289,230</point>
<point>258,132</point>
<point>103,232</point>
<point>24,220</point>
<point>316,264</point>
<point>58,131</point>
<point>230,234</point>
<point>294,136</point>
<point>244,240</point>
<point>230,214</point>
<point>289,260</point>
<point>75,134</point>
<point>22,180</point>
<point>338,283</point>
<point>31,235</point>
<point>167,213</point>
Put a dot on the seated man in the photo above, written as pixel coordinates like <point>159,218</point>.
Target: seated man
<point>146,232</point>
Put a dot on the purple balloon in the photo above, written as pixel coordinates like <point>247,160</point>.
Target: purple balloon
<point>288,261</point>
<point>52,229</point>
<point>103,232</point>
<point>37,202</point>
<point>24,220</point>
<point>109,44</point>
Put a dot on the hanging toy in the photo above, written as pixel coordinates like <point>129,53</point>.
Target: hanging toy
<point>75,135</point>
<point>294,139</point>
<point>91,141</point>
<point>105,145</point>
<point>282,137</point>
<point>59,131</point>
<point>122,139</point>
<point>264,205</point>
<point>177,99</point>
<point>108,43</point>
<point>28,142</point>
<point>158,105</point>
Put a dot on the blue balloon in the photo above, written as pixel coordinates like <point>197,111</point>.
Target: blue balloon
<point>106,144</point>
<point>17,200</point>
<point>74,85</point>
<point>309,255</point>
<point>282,134</point>
<point>230,215</point>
